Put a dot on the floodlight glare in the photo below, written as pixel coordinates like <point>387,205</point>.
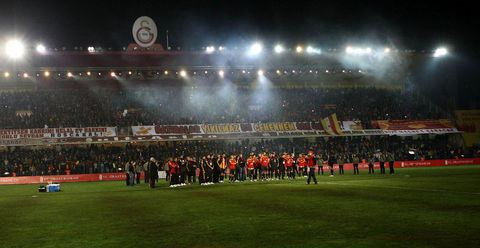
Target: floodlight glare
<point>112,74</point>
<point>41,49</point>
<point>256,48</point>
<point>91,49</point>
<point>165,72</point>
<point>221,73</point>
<point>46,73</point>
<point>368,50</point>
<point>387,50</point>
<point>210,49</point>
<point>309,49</point>
<point>439,52</point>
<point>299,49</point>
<point>69,74</point>
<point>278,49</point>
<point>183,73</point>
<point>260,72</point>
<point>6,74</point>
<point>14,49</point>
<point>89,73</point>
<point>25,75</point>
<point>221,48</point>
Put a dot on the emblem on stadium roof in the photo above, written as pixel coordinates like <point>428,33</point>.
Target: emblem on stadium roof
<point>144,31</point>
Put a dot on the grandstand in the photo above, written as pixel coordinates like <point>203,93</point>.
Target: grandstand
<point>122,91</point>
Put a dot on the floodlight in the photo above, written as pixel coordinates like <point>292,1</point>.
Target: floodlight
<point>256,48</point>
<point>299,49</point>
<point>89,73</point>
<point>221,48</point>
<point>260,72</point>
<point>6,74</point>
<point>279,49</point>
<point>349,49</point>
<point>69,74</point>
<point>309,49</point>
<point>387,50</point>
<point>221,73</point>
<point>46,73</point>
<point>14,49</point>
<point>183,73</point>
<point>41,49</point>
<point>25,75</point>
<point>368,50</point>
<point>165,72</point>
<point>210,49</point>
<point>441,51</point>
<point>112,74</point>
<point>91,49</point>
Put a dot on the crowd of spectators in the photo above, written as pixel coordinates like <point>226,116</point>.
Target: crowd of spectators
<point>149,105</point>
<point>76,159</point>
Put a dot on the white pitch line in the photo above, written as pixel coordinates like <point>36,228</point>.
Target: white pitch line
<point>406,188</point>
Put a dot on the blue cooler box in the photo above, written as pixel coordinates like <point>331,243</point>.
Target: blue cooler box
<point>53,187</point>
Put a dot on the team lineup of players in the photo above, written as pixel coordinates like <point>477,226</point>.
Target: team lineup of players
<point>216,168</point>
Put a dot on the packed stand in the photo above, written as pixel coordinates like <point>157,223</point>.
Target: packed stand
<point>191,105</point>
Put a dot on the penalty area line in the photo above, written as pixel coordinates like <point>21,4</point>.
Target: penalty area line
<point>405,188</point>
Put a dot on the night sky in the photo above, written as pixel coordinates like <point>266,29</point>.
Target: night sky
<point>194,24</point>
<point>417,25</point>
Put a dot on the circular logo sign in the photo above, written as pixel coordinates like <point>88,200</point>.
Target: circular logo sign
<point>144,31</point>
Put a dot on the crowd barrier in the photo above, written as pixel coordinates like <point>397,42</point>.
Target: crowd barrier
<point>122,176</point>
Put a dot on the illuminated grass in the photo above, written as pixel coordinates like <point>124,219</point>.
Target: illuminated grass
<point>421,207</point>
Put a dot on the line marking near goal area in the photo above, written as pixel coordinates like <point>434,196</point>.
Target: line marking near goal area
<point>404,188</point>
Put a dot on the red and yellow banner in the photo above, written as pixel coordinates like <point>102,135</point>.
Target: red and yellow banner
<point>409,127</point>
<point>468,121</point>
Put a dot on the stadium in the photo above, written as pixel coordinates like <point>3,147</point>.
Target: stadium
<point>248,144</point>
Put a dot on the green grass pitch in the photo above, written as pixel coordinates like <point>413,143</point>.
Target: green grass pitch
<point>417,207</point>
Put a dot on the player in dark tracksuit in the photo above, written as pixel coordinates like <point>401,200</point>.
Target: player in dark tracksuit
<point>281,168</point>
<point>371,162</point>
<point>274,166</point>
<point>182,164</point>
<point>331,161</point>
<point>391,161</point>
<point>355,161</point>
<point>191,170</point>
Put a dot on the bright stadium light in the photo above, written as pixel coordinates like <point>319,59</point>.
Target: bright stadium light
<point>299,49</point>
<point>25,75</point>
<point>221,73</point>
<point>14,49</point>
<point>210,49</point>
<point>309,49</point>
<point>91,49</point>
<point>41,49</point>
<point>221,48</point>
<point>279,49</point>
<point>387,50</point>
<point>89,73</point>
<point>46,73</point>
<point>441,51</point>
<point>165,72</point>
<point>112,74</point>
<point>6,74</point>
<point>260,72</point>
<point>349,50</point>
<point>256,49</point>
<point>183,73</point>
<point>69,74</point>
<point>368,50</point>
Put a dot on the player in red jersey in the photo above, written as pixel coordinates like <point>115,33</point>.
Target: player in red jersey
<point>265,162</point>
<point>302,163</point>
<point>251,166</point>
<point>232,164</point>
